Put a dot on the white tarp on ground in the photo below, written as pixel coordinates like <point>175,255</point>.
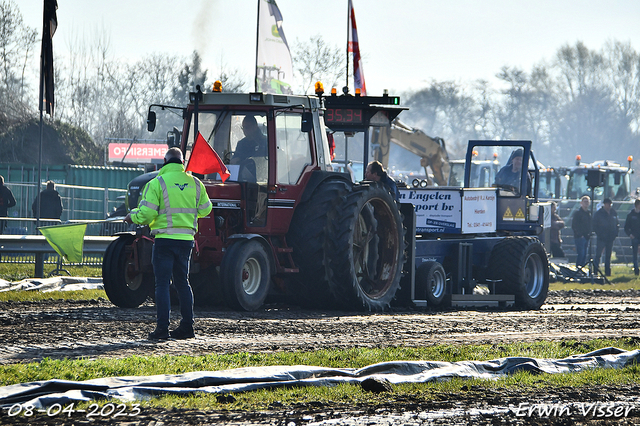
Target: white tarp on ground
<point>45,393</point>
<point>53,284</point>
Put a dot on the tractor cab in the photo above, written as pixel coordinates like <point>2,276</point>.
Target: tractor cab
<point>517,182</point>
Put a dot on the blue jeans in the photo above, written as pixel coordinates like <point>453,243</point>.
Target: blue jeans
<point>171,258</point>
<point>607,248</point>
<point>581,249</point>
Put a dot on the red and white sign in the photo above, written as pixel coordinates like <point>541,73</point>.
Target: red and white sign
<point>136,153</point>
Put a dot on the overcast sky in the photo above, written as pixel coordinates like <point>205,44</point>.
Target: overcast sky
<point>404,43</point>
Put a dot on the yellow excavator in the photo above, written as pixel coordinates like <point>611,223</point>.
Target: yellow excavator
<point>432,151</point>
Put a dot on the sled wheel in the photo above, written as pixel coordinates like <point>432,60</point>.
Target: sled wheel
<point>521,265</point>
<point>432,281</point>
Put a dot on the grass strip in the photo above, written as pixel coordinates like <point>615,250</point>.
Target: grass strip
<point>20,271</point>
<point>84,369</point>
<point>38,296</point>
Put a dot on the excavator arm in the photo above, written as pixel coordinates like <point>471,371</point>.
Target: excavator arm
<point>432,151</point>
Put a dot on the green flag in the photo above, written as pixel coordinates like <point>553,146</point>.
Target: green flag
<point>66,240</point>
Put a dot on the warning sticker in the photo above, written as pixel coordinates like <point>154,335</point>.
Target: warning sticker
<point>520,215</point>
<point>507,214</point>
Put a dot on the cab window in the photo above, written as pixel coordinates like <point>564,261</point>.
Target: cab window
<point>292,147</point>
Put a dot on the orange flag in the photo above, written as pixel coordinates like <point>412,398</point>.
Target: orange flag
<point>205,160</point>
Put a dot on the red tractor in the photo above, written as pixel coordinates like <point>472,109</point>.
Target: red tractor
<point>284,223</point>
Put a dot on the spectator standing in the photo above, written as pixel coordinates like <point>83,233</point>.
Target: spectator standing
<point>50,201</point>
<point>581,225</point>
<point>605,225</point>
<point>632,228</point>
<point>7,200</point>
<point>556,226</point>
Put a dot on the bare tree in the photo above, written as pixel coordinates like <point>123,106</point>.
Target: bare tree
<point>484,124</point>
<point>315,60</point>
<point>17,42</point>
<point>189,77</point>
<point>624,78</point>
<point>446,110</point>
<point>580,70</point>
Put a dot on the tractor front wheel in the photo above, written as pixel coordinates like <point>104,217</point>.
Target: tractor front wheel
<point>246,275</point>
<point>126,285</point>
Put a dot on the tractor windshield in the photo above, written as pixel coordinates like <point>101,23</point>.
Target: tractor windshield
<point>615,184</point>
<point>552,184</point>
<point>498,166</point>
<point>240,139</point>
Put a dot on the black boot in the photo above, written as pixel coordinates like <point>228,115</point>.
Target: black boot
<point>158,334</point>
<point>183,332</point>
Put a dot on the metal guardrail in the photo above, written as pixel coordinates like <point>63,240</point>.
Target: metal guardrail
<point>39,244</point>
<point>94,246</point>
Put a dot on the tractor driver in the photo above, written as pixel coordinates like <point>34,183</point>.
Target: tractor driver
<point>510,174</point>
<point>254,143</point>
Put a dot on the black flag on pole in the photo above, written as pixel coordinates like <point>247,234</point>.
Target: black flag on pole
<point>50,24</point>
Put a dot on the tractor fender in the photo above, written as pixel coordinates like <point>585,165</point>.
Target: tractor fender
<point>317,178</point>
<point>119,234</point>
<point>246,237</point>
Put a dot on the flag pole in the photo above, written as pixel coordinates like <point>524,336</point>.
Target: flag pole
<point>348,17</point>
<point>255,80</point>
<point>40,102</point>
<point>39,260</point>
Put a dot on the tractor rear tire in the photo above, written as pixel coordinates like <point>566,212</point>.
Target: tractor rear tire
<point>367,249</point>
<point>246,275</point>
<point>522,266</point>
<point>431,280</point>
<point>308,236</point>
<point>206,287</point>
<point>125,287</point>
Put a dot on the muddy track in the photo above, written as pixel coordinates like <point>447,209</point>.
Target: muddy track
<point>31,331</point>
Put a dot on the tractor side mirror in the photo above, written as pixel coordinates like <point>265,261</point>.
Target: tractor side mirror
<point>307,122</point>
<point>151,121</point>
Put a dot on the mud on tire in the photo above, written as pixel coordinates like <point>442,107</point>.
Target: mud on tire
<point>125,287</point>
<point>307,236</point>
<point>206,287</point>
<point>522,266</point>
<point>367,249</point>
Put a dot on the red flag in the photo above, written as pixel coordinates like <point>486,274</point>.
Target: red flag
<point>205,160</point>
<point>354,46</point>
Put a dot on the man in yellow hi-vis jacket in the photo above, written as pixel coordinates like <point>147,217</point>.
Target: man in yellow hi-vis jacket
<point>171,205</point>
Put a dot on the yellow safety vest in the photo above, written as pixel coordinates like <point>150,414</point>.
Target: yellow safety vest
<point>172,203</point>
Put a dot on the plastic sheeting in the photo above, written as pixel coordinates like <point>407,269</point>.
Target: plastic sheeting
<point>45,393</point>
<point>53,284</point>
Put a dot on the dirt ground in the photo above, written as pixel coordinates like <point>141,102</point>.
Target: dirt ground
<point>31,331</point>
